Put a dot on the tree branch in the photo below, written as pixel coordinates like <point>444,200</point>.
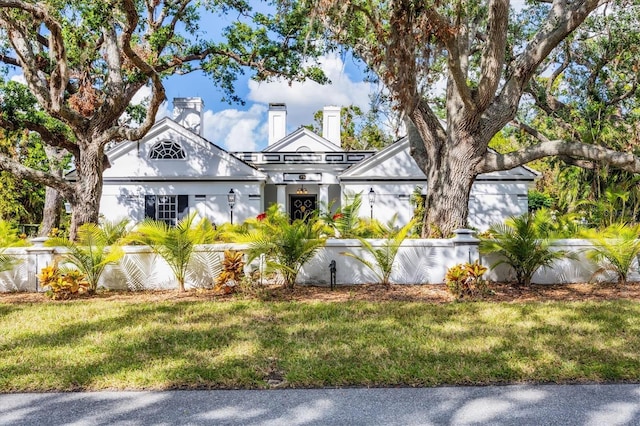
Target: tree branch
<point>562,19</point>
<point>26,59</point>
<point>9,60</point>
<point>458,75</point>
<point>494,53</point>
<point>627,94</point>
<point>530,130</point>
<point>495,162</point>
<point>157,91</point>
<point>60,74</point>
<point>48,136</point>
<point>22,172</point>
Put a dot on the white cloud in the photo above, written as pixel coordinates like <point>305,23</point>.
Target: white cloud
<point>236,130</point>
<point>303,99</point>
<point>19,78</point>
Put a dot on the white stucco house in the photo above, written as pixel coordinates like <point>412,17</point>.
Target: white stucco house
<point>174,170</point>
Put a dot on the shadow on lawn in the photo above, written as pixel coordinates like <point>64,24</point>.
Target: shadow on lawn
<point>246,344</point>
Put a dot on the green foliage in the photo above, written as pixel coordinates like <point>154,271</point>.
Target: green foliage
<point>9,238</point>
<point>419,202</point>
<point>345,222</point>
<point>384,256</point>
<point>358,131</point>
<point>552,224</point>
<point>521,244</point>
<point>96,247</point>
<point>20,200</point>
<point>539,200</point>
<point>287,245</point>
<point>615,249</point>
<point>593,99</point>
<point>9,235</point>
<point>176,245</point>
<point>465,280</point>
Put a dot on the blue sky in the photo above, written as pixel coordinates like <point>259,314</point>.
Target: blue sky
<point>243,127</point>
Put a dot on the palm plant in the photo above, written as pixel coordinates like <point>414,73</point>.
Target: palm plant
<point>384,256</point>
<point>345,221</point>
<point>552,224</point>
<point>176,245</point>
<point>95,247</point>
<point>287,245</point>
<point>7,261</point>
<point>523,245</point>
<point>614,249</point>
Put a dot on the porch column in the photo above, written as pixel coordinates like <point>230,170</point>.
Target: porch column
<point>282,197</point>
<point>323,197</point>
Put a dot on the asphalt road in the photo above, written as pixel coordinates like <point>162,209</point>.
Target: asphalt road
<point>492,405</point>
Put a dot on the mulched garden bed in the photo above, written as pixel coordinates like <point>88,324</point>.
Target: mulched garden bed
<point>430,293</point>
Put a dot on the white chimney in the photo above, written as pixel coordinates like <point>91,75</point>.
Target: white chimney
<point>188,112</point>
<point>331,124</point>
<point>277,122</point>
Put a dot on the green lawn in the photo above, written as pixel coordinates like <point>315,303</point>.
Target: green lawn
<point>97,344</point>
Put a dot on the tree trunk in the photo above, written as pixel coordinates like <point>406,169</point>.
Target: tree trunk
<point>51,212</point>
<point>449,160</point>
<point>86,203</point>
<point>52,198</point>
<point>449,183</point>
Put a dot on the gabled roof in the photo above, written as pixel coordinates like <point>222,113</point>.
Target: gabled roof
<point>396,162</point>
<point>303,137</point>
<point>204,160</point>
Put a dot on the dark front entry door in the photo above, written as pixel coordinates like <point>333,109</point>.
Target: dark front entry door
<point>302,206</point>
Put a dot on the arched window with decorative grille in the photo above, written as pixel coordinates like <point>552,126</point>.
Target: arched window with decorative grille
<point>167,150</point>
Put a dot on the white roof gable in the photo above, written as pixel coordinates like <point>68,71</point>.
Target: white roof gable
<point>396,162</point>
<point>203,159</point>
<point>303,140</point>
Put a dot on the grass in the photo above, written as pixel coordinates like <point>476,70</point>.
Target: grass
<point>94,344</point>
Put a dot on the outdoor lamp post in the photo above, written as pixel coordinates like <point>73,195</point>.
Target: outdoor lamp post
<point>231,199</point>
<point>372,200</point>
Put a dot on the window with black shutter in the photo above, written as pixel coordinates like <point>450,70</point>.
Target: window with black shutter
<point>166,208</point>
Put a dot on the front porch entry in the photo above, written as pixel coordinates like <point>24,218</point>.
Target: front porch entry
<point>301,206</point>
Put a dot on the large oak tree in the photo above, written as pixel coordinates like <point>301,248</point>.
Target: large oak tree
<point>491,60</point>
<point>85,60</point>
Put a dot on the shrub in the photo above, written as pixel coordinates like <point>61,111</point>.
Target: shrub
<point>551,224</point>
<point>63,284</point>
<point>465,280</point>
<point>522,245</point>
<point>232,272</point>
<point>614,249</point>
<point>539,200</point>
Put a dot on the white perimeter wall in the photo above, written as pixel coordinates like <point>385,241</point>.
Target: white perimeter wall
<point>418,262</point>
